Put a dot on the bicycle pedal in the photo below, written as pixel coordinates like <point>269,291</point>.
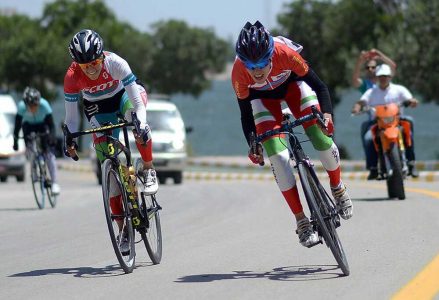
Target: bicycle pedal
<point>316,243</point>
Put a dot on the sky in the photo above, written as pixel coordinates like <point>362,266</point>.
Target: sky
<point>225,17</point>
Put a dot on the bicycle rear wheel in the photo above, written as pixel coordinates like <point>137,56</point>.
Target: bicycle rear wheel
<point>118,224</point>
<point>324,214</point>
<point>37,182</point>
<point>149,208</point>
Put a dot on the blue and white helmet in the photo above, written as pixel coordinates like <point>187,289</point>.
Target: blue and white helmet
<point>86,46</point>
<point>255,45</point>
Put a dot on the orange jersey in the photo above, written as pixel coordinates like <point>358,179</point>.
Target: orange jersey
<point>286,62</point>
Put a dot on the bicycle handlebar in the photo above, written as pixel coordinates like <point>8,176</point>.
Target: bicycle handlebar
<point>316,114</point>
<point>69,136</point>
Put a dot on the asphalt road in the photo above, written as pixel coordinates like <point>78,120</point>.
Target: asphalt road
<point>223,239</point>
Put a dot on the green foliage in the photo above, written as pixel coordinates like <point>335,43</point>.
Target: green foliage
<point>334,32</point>
<point>34,52</point>
<point>183,56</point>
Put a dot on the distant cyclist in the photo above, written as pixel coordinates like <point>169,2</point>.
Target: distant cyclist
<point>35,115</point>
<point>108,88</point>
<point>268,71</point>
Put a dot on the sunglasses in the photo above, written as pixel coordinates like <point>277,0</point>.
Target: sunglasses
<point>93,63</point>
<point>371,67</point>
<point>258,65</point>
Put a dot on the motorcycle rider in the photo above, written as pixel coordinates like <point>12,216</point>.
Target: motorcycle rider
<point>386,92</point>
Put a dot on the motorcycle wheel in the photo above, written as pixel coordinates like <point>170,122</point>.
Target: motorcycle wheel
<point>395,182</point>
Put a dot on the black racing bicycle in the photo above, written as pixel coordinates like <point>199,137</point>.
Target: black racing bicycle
<point>324,216</point>
<point>140,212</point>
<point>39,172</point>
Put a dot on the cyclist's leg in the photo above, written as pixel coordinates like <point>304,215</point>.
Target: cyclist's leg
<point>267,116</point>
<point>27,129</point>
<point>101,147</point>
<point>324,145</point>
<point>326,148</point>
<point>48,149</point>
<point>145,150</point>
<point>126,107</point>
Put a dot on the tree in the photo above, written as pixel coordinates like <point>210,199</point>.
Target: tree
<point>182,57</point>
<point>175,59</point>
<point>334,32</point>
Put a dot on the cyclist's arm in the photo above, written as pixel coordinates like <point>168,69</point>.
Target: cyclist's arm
<point>48,121</point>
<point>72,94</point>
<point>320,89</point>
<point>247,121</point>
<point>139,106</point>
<point>17,127</point>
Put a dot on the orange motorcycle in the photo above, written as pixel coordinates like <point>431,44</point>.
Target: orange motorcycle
<point>390,136</point>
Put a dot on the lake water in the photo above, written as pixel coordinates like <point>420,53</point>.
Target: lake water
<point>217,127</point>
<point>215,120</point>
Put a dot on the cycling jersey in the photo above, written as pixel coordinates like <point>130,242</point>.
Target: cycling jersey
<point>40,115</point>
<point>287,66</point>
<point>114,77</point>
<point>40,121</point>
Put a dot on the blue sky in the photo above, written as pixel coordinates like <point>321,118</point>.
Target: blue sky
<point>226,17</point>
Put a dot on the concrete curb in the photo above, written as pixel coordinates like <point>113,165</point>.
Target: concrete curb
<point>424,176</point>
<point>211,176</point>
<point>244,164</point>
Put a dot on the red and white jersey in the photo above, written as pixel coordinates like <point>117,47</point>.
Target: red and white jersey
<point>115,75</point>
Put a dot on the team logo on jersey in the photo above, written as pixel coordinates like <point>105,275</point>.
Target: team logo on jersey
<point>102,87</point>
<point>91,109</point>
<point>281,77</point>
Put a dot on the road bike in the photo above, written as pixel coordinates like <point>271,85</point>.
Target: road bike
<point>39,172</point>
<point>140,211</point>
<point>324,217</point>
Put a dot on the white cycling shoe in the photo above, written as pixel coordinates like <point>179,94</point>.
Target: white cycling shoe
<point>55,188</point>
<point>307,236</point>
<point>150,182</point>
<point>343,202</point>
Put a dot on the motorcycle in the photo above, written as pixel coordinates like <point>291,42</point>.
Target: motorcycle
<point>390,137</point>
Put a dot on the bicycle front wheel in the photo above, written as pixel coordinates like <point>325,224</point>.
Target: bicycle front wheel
<point>149,208</point>
<point>48,184</point>
<point>324,214</point>
<point>37,182</point>
<point>119,223</point>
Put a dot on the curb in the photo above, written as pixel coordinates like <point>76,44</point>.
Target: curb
<point>211,176</point>
<point>243,164</point>
<point>424,176</point>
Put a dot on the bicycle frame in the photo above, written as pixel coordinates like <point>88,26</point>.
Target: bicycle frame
<point>114,148</point>
<point>324,216</point>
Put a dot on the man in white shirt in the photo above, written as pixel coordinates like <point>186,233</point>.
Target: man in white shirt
<point>383,93</point>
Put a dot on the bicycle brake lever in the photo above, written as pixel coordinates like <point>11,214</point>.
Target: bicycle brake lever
<point>68,140</point>
<point>253,144</point>
<point>135,121</point>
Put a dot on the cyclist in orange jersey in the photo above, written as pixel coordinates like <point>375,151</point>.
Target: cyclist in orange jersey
<point>268,71</point>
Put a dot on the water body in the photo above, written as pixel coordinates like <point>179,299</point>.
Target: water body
<point>215,120</point>
<point>217,127</point>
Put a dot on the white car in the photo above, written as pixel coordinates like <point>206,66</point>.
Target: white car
<point>12,163</point>
<point>168,139</point>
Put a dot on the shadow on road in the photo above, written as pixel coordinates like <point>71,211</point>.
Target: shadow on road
<point>84,272</point>
<point>374,199</point>
<point>19,209</point>
<point>291,273</point>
